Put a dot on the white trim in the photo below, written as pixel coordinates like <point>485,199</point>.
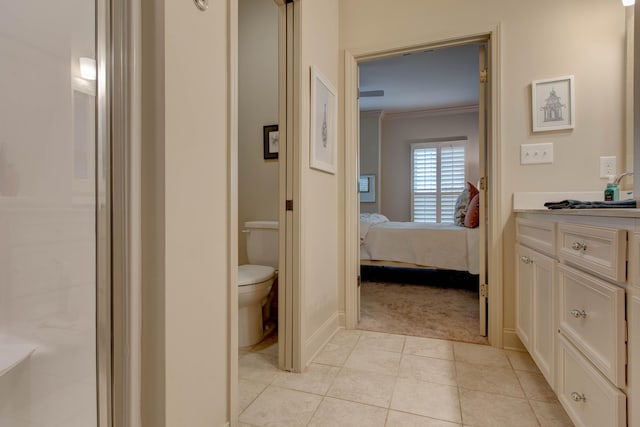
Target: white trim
<point>511,340</point>
<point>317,341</point>
<point>494,234</point>
<point>414,114</point>
<point>495,223</point>
<point>232,203</point>
<point>284,335</point>
<point>342,319</point>
<point>351,199</point>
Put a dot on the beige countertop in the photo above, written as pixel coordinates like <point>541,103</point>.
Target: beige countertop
<point>604,212</point>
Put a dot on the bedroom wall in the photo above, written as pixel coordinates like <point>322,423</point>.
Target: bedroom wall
<point>399,130</point>
<point>588,42</point>
<point>319,227</point>
<point>370,153</point>
<point>257,107</point>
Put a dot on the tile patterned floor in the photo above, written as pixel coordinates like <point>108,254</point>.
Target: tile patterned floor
<point>373,379</point>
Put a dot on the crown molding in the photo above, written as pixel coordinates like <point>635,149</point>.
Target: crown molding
<point>409,114</point>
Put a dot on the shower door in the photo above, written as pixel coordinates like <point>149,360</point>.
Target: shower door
<point>54,235</point>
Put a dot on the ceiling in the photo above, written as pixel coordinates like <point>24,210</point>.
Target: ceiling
<point>422,80</point>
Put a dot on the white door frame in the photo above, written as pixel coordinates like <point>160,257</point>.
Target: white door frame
<point>232,200</point>
<point>494,234</point>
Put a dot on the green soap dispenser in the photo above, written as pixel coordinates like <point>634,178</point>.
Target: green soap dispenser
<point>612,192</point>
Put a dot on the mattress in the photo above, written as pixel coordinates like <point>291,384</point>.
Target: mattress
<point>444,246</point>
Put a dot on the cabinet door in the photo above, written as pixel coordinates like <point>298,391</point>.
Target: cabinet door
<point>535,308</point>
<point>524,295</point>
<point>543,349</point>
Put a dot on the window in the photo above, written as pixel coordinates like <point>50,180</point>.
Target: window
<point>437,179</point>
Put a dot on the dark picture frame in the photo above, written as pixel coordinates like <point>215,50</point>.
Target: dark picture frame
<point>271,141</point>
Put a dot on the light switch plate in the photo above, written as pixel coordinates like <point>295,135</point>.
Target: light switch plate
<point>531,154</point>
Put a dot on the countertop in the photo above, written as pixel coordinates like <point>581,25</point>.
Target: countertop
<point>605,212</point>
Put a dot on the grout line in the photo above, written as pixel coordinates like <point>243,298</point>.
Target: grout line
<point>455,370</point>
<point>315,411</point>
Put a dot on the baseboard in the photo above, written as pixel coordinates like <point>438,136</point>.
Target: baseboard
<point>342,319</point>
<point>510,340</point>
<point>316,342</point>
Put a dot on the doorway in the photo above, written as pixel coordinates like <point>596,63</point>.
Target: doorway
<point>489,263</point>
<point>258,174</point>
<point>419,229</point>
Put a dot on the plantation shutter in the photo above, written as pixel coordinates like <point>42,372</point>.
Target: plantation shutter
<point>438,177</point>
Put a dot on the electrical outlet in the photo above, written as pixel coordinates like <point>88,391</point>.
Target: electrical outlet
<point>536,153</point>
<point>607,166</point>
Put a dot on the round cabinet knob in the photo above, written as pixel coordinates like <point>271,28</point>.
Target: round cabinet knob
<point>526,259</point>
<point>579,246</point>
<point>578,313</point>
<point>577,397</point>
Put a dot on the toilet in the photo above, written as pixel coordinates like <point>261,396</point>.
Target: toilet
<point>256,279</point>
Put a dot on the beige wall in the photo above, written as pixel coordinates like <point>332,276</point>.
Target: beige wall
<point>370,153</point>
<point>588,41</point>
<point>319,232</point>
<point>398,132</point>
<point>185,237</point>
<point>257,107</point>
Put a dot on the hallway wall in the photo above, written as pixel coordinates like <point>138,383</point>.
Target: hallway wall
<point>185,336</point>
<point>319,228</point>
<point>588,42</point>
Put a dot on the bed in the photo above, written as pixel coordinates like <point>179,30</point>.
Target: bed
<point>442,246</point>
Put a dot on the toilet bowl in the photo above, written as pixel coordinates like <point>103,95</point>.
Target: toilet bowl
<point>255,281</point>
<point>254,286</point>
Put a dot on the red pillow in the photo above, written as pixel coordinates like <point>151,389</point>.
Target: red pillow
<point>472,218</point>
<point>472,191</point>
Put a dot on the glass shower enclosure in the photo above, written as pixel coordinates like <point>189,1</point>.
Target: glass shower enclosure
<point>53,195</point>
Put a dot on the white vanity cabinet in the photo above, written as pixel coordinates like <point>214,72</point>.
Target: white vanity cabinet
<point>578,309</point>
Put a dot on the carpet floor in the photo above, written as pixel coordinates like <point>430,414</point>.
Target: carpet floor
<point>421,311</point>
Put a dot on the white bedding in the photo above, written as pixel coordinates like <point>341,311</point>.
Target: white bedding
<point>445,246</point>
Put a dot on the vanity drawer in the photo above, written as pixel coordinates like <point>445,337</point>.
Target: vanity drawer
<point>587,396</point>
<point>597,249</point>
<point>537,234</point>
<point>591,315</point>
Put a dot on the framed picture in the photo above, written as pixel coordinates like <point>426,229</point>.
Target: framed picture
<point>324,121</point>
<point>552,104</point>
<point>367,188</point>
<point>271,141</point>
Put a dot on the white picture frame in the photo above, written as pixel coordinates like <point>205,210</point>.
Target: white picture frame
<point>323,124</point>
<point>552,104</point>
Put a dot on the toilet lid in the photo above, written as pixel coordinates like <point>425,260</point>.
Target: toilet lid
<point>252,274</point>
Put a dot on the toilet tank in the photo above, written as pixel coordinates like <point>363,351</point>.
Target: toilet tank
<point>262,242</point>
